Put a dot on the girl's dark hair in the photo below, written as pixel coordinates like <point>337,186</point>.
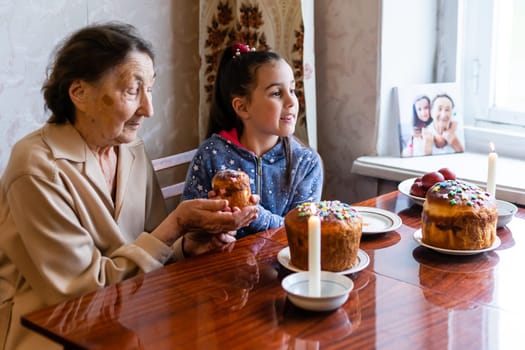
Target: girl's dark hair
<point>87,54</point>
<point>236,77</point>
<point>416,122</point>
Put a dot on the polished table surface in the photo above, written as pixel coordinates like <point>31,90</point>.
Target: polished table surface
<point>408,297</point>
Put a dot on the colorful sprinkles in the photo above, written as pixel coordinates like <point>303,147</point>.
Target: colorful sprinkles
<point>340,211</point>
<point>459,192</point>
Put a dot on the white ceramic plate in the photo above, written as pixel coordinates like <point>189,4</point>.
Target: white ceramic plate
<point>377,220</point>
<point>418,237</point>
<point>404,187</point>
<point>362,261</point>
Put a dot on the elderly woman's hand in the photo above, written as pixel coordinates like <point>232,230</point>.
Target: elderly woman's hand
<point>196,243</point>
<point>208,215</point>
<point>213,216</point>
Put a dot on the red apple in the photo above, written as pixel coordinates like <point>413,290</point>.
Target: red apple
<point>431,178</point>
<point>447,173</point>
<point>417,189</point>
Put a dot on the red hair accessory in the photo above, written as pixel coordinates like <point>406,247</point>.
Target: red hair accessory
<point>241,48</point>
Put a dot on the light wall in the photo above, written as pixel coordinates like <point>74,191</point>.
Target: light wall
<point>407,57</point>
<point>29,30</point>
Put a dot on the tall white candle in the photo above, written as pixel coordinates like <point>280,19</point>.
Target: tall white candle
<point>491,175</point>
<point>314,253</point>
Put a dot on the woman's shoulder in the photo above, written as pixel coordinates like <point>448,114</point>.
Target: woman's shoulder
<point>29,156</point>
<point>28,146</point>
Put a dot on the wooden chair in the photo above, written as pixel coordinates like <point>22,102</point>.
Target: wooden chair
<point>169,162</point>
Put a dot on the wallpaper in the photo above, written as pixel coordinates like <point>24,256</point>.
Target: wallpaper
<point>263,25</point>
<point>347,64</point>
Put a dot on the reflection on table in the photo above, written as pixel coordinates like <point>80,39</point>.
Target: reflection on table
<point>408,296</point>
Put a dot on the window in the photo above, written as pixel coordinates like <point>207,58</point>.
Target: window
<point>493,68</point>
<point>507,99</point>
<point>490,55</point>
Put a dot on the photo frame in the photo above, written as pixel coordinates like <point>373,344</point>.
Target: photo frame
<point>430,119</point>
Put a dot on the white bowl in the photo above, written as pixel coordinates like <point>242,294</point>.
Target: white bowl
<point>506,211</point>
<point>334,290</point>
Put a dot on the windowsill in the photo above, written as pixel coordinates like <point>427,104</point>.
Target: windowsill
<point>508,142</point>
<point>471,167</point>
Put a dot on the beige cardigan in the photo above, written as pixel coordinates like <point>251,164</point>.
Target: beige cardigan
<point>61,234</point>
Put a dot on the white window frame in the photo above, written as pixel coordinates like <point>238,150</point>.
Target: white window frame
<point>483,122</point>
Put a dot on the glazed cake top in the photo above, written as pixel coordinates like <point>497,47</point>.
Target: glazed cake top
<point>457,192</point>
<point>326,210</point>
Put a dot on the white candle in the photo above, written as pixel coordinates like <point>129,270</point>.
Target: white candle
<point>491,176</point>
<point>314,253</point>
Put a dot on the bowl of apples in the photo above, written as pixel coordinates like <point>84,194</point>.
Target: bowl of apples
<point>416,188</point>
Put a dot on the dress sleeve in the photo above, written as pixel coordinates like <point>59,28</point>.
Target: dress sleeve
<point>308,180</point>
<point>265,221</point>
<point>68,246</point>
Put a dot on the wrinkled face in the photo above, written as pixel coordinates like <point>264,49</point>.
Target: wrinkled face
<point>423,109</point>
<point>117,104</point>
<point>273,105</point>
<point>442,110</point>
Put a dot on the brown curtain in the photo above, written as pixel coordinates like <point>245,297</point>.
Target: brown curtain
<point>265,24</point>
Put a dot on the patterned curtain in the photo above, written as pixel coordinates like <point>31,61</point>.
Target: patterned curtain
<point>278,25</point>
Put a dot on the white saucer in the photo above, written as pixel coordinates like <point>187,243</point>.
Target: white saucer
<point>362,262</point>
<point>404,187</point>
<point>377,220</point>
<point>418,237</point>
<point>334,290</point>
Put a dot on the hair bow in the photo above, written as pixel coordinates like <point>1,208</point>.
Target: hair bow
<point>238,49</point>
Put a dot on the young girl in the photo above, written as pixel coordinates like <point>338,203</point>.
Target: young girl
<point>252,120</point>
<point>420,120</point>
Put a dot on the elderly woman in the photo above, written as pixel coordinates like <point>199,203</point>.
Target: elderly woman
<point>443,130</point>
<point>80,206</point>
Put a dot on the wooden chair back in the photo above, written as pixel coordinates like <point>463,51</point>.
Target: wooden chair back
<point>173,190</point>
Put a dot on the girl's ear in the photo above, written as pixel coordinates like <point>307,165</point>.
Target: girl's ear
<point>240,106</point>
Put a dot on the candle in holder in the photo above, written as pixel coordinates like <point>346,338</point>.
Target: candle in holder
<point>314,252</point>
<point>491,176</point>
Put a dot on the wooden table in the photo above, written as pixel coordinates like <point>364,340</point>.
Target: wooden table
<point>409,297</point>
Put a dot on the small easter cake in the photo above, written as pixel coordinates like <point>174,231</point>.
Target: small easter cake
<point>458,215</point>
<point>341,229</point>
<point>233,185</point>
